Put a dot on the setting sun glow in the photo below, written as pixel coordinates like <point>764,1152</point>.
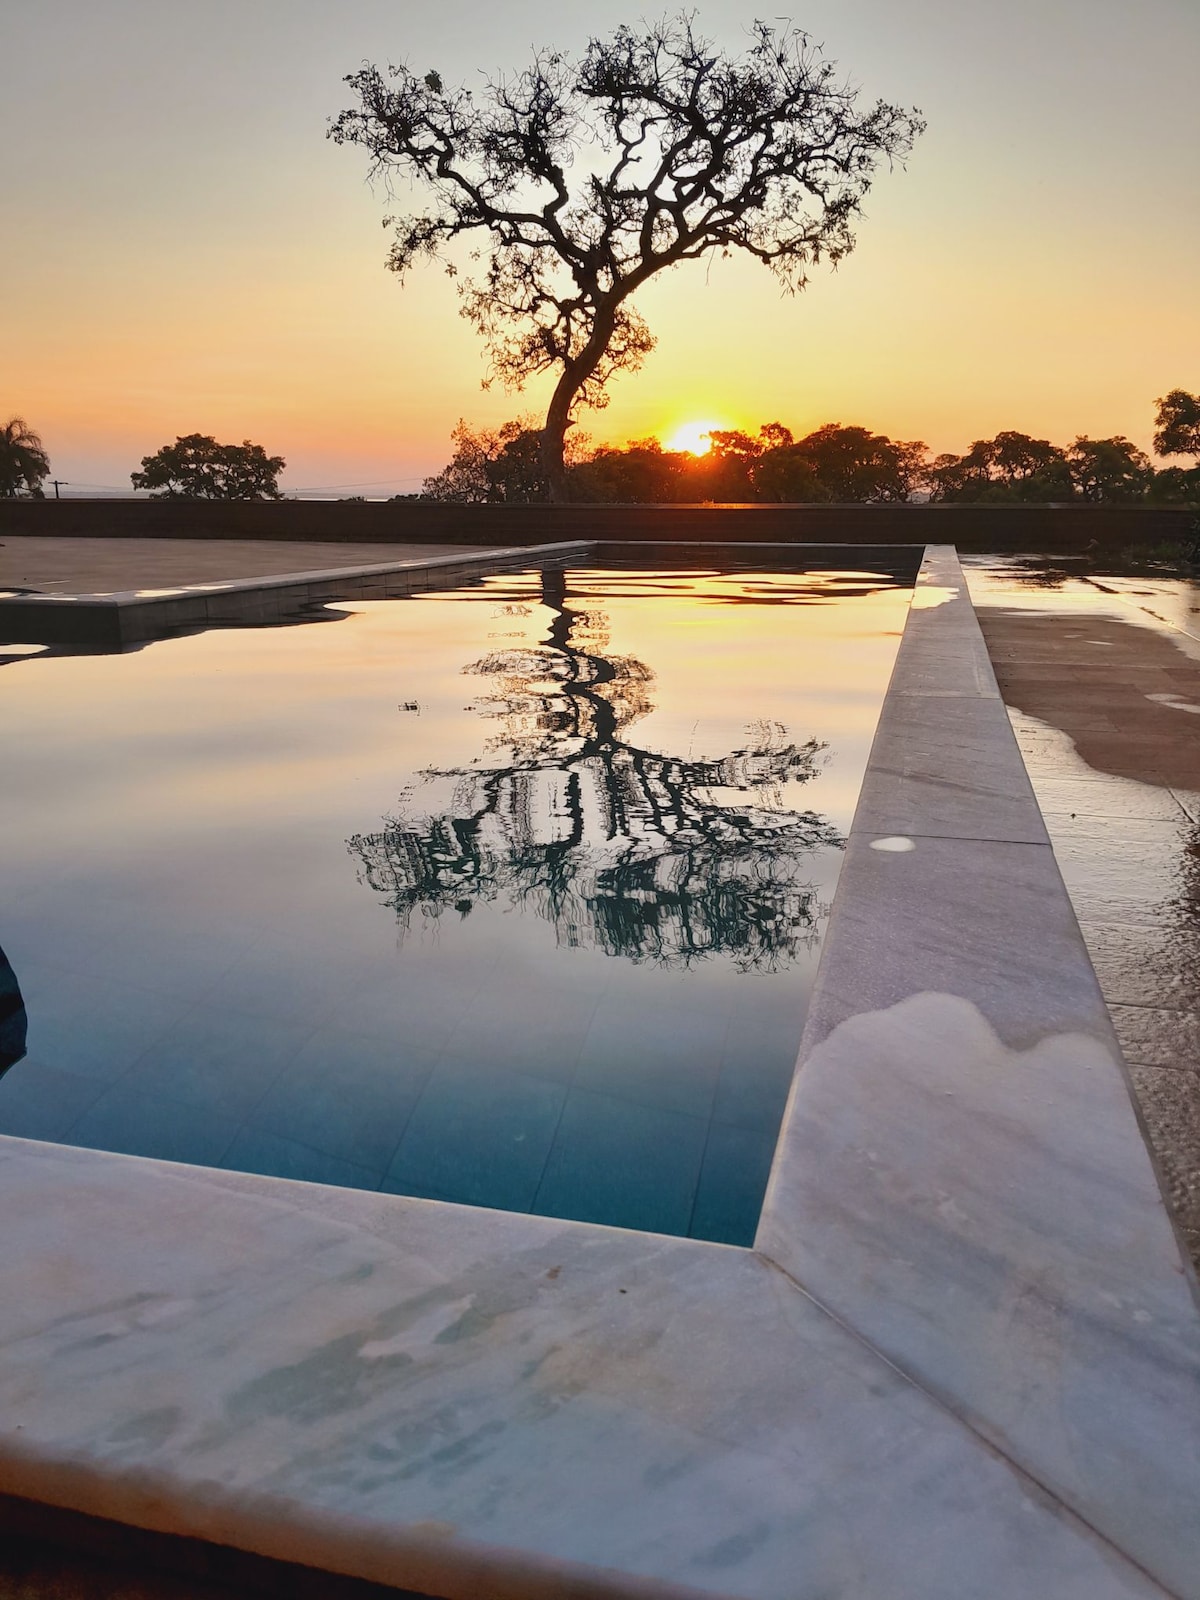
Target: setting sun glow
<point>692,437</point>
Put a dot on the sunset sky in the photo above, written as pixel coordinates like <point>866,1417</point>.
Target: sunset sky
<point>183,250</point>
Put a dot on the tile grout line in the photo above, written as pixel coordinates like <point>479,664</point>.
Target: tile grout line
<point>997,1451</point>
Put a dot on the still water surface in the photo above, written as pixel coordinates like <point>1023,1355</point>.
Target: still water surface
<point>510,895</point>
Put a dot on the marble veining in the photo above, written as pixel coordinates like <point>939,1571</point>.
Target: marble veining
<point>416,1392</point>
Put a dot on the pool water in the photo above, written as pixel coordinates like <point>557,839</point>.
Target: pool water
<point>509,895</point>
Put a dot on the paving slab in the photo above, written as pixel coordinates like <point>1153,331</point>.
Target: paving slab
<point>469,1402</point>
<point>948,777</point>
<point>113,566</point>
<point>1114,763</point>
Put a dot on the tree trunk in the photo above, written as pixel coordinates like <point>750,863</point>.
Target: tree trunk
<point>575,374</point>
<point>554,435</point>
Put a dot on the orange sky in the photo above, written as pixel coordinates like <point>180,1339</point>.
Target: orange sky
<point>185,252</point>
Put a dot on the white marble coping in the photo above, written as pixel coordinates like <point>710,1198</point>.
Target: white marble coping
<point>961,1362</point>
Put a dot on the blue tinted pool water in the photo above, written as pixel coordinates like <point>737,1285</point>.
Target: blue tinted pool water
<point>509,895</point>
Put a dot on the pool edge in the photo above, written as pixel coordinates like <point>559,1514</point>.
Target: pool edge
<point>1069,1527</point>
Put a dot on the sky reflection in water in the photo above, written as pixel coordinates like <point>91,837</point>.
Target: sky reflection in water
<point>510,896</point>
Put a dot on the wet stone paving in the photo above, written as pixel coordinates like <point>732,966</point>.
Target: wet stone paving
<point>1101,675</point>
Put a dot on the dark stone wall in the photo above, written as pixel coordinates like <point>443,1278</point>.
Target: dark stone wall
<point>1050,529</point>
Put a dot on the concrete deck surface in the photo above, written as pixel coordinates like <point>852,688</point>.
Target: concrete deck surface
<point>112,566</point>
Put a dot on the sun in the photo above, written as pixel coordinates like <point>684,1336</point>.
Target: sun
<point>692,437</point>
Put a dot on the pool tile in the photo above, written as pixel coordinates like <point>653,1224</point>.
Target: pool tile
<point>41,1101</point>
<point>480,1136</point>
<point>346,1095</point>
<point>756,1074</point>
<point>733,1179</point>
<point>257,1150</point>
<point>137,1124</point>
<point>418,1007</point>
<point>540,1032</point>
<point>624,1164</point>
<point>93,1026</point>
<point>949,778</point>
<point>221,1060</point>
<point>111,938</point>
<point>665,1058</point>
<point>288,985</point>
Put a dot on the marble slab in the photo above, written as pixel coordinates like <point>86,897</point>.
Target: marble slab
<point>467,1402</point>
<point>938,656</point>
<point>950,769</point>
<point>962,1362</point>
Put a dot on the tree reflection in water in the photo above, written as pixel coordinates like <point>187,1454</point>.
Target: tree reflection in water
<point>651,857</point>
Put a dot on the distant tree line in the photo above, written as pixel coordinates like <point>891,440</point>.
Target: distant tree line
<point>195,467</point>
<point>832,465</point>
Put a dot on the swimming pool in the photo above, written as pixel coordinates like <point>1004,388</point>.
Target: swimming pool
<point>509,894</point>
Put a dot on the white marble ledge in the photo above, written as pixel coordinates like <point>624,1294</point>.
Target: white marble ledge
<point>961,1176</point>
<point>464,1402</point>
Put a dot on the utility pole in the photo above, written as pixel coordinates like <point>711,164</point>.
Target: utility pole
<point>56,482</point>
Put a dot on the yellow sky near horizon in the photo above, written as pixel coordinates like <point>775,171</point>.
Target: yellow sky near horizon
<point>186,252</point>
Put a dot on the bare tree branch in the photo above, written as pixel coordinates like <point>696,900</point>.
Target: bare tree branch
<point>589,178</point>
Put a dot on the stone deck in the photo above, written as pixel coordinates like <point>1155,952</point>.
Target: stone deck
<point>114,566</point>
<point>1102,680</point>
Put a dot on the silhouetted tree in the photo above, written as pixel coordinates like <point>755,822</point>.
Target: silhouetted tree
<point>724,474</point>
<point>197,467</point>
<point>23,460</point>
<point>1012,467</point>
<point>490,467</point>
<point>1177,424</point>
<point>842,466</point>
<point>616,845</point>
<point>1176,486</point>
<point>591,177</point>
<point>1109,471</point>
<point>638,473</point>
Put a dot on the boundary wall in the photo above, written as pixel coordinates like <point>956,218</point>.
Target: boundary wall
<point>1052,530</point>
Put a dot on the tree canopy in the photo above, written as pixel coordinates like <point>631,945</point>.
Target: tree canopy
<point>197,467</point>
<point>23,460</point>
<point>1109,471</point>
<point>833,464</point>
<point>1178,425</point>
<point>586,178</point>
<point>841,465</point>
<point>1011,467</point>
